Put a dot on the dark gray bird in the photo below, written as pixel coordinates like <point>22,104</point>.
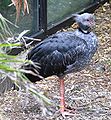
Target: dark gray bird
<point>65,52</point>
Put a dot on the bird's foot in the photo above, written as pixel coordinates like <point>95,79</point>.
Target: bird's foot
<point>68,112</point>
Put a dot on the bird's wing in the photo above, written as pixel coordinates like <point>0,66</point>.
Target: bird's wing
<point>79,55</point>
<point>57,52</point>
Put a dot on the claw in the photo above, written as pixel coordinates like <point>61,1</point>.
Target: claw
<point>65,113</point>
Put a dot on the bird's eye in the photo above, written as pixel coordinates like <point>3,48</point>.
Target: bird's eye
<point>87,20</point>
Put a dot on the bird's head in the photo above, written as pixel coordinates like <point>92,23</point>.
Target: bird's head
<point>86,21</point>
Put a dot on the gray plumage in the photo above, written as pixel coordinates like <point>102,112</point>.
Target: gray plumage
<point>65,52</point>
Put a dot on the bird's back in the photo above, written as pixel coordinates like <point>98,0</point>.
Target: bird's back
<point>62,53</point>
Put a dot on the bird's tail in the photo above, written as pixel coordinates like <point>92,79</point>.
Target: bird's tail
<point>31,71</point>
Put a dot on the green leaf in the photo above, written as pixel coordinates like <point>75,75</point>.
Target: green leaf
<point>9,45</point>
<point>2,55</point>
<point>5,61</point>
<point>7,68</point>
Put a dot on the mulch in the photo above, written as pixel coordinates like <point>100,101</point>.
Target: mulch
<point>88,91</point>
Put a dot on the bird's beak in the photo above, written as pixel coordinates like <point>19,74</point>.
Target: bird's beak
<point>92,23</point>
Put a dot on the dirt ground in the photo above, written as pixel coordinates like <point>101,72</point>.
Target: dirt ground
<point>88,91</point>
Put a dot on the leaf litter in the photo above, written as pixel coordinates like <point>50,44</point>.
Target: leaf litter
<point>88,91</point>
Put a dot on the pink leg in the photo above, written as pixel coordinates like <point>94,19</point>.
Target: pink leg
<point>62,101</point>
<point>63,110</point>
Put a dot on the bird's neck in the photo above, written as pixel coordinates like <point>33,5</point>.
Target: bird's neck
<point>84,31</point>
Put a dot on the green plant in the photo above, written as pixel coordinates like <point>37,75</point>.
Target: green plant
<point>10,65</point>
<point>5,31</point>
